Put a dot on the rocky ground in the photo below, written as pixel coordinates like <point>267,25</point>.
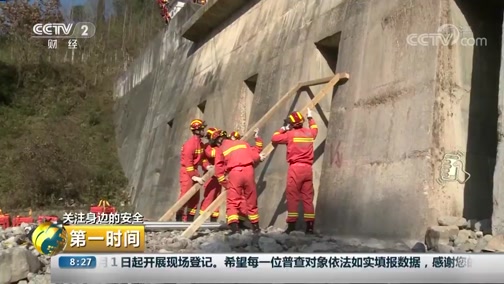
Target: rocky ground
<point>270,240</point>
<point>458,235</point>
<point>20,263</point>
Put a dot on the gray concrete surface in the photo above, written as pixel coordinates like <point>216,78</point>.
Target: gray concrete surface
<point>498,189</point>
<point>388,126</point>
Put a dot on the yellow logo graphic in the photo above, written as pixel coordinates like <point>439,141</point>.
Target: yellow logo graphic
<point>49,238</point>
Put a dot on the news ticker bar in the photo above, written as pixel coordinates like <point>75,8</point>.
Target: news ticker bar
<point>277,268</point>
<point>117,238</point>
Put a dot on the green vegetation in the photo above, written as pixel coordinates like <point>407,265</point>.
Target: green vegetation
<point>56,107</point>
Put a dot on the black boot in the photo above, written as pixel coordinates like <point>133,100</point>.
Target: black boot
<point>178,216</point>
<point>309,228</point>
<point>190,218</point>
<point>213,219</point>
<point>255,228</point>
<point>235,229</point>
<point>242,225</point>
<point>290,227</point>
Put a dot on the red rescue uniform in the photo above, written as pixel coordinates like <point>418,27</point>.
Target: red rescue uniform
<point>258,144</point>
<point>299,143</point>
<point>212,186</point>
<point>190,157</point>
<point>237,159</point>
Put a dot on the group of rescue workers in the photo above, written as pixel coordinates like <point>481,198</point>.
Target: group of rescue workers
<point>233,161</point>
<point>165,10</point>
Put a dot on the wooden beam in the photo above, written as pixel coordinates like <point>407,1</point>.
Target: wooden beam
<point>248,135</point>
<point>222,197</point>
<point>316,82</point>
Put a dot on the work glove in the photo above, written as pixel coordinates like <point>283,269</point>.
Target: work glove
<point>309,113</point>
<point>256,132</point>
<point>198,180</point>
<point>262,157</point>
<point>210,167</point>
<point>285,128</point>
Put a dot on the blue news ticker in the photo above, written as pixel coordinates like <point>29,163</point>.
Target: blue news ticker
<point>73,262</point>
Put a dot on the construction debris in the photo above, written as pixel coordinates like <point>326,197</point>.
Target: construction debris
<point>458,235</point>
<point>269,241</point>
<point>19,261</point>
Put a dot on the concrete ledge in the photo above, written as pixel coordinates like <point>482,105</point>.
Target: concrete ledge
<point>209,17</point>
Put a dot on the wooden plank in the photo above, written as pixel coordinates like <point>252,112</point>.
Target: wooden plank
<point>221,198</point>
<point>183,200</point>
<point>320,95</point>
<point>316,82</point>
<point>248,135</point>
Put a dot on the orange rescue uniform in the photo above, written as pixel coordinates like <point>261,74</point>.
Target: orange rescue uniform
<point>212,186</point>
<point>237,159</point>
<point>299,143</point>
<point>258,144</point>
<point>190,158</point>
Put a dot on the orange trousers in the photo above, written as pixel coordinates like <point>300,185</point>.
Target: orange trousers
<point>300,188</point>
<point>241,195</point>
<point>212,190</point>
<point>185,184</point>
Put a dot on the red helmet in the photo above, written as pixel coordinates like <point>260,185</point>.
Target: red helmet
<point>218,133</point>
<point>236,135</point>
<point>296,118</point>
<point>197,124</point>
<point>210,131</point>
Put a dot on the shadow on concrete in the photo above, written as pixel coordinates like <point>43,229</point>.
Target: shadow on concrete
<point>198,44</point>
<point>485,21</point>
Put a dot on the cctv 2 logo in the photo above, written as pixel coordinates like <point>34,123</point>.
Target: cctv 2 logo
<point>61,30</point>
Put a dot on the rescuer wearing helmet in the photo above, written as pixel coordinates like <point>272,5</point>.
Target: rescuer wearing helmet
<point>299,141</point>
<point>212,186</point>
<point>235,135</point>
<point>191,156</point>
<point>237,159</point>
<point>162,3</point>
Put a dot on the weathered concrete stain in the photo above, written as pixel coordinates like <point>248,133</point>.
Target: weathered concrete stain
<point>336,156</point>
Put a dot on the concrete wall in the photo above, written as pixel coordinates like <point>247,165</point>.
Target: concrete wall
<point>388,125</point>
<point>498,192</point>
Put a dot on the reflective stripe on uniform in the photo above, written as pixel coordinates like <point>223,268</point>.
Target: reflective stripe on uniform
<point>313,126</point>
<point>212,153</point>
<point>234,148</point>
<point>232,217</point>
<point>309,215</point>
<point>190,169</point>
<point>302,140</point>
<point>253,217</point>
<point>292,214</point>
<point>276,133</point>
<point>221,178</point>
